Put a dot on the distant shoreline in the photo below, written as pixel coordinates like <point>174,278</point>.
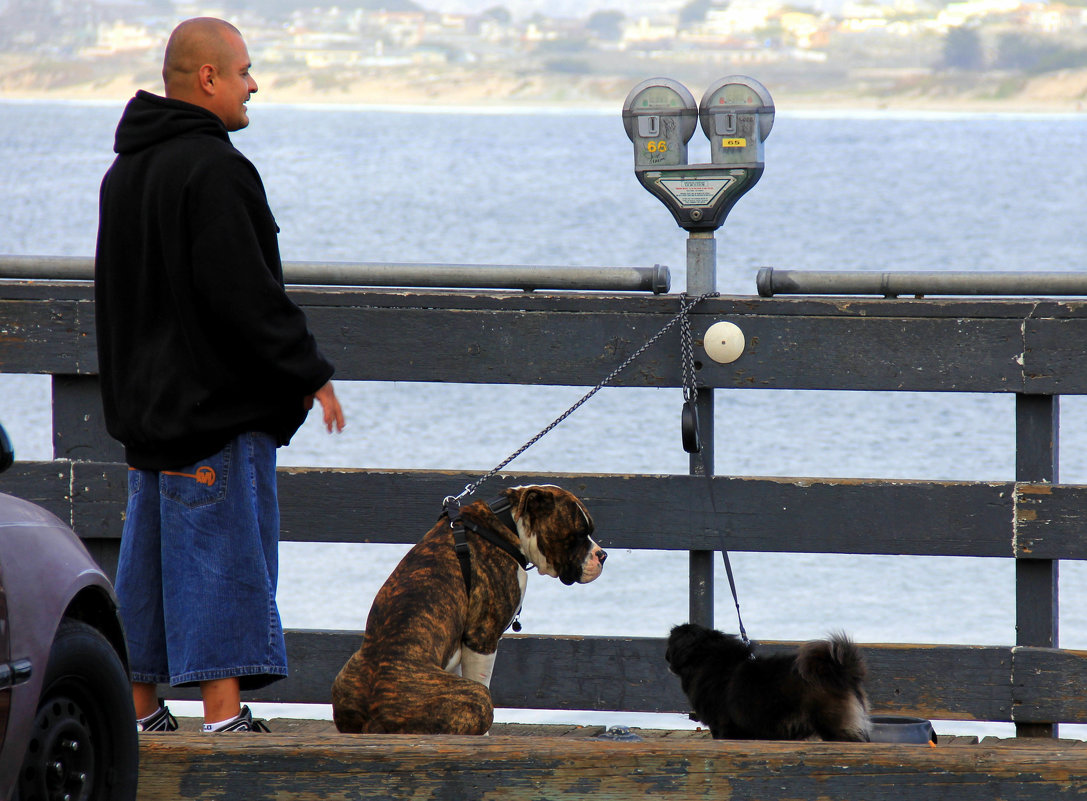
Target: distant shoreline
<point>1059,93</point>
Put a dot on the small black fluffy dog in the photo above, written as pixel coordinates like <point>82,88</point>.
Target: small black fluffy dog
<point>817,691</point>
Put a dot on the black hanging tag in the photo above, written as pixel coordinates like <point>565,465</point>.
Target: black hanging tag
<point>692,441</point>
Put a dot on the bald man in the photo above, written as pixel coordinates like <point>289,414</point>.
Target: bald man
<point>206,367</point>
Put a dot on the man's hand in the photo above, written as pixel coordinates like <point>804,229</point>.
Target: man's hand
<point>330,407</point>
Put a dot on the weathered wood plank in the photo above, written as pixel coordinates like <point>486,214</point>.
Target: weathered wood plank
<point>580,348</point>
<point>565,339</point>
<point>1051,349</point>
<point>753,514</point>
<point>801,515</point>
<point>1047,517</point>
<point>545,300</point>
<point>889,354</point>
<point>1049,685</point>
<point>281,766</point>
<point>47,336</point>
<point>629,674</point>
<point>45,483</point>
<point>940,682</point>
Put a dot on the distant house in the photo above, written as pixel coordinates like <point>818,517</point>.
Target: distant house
<point>117,37</point>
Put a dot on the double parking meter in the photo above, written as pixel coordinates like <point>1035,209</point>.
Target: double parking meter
<point>736,114</point>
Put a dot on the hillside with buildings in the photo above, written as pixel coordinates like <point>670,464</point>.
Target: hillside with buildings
<point>1000,53</point>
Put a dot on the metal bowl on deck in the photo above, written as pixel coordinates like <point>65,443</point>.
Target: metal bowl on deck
<point>901,729</point>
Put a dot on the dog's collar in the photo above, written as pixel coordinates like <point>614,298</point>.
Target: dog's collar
<point>502,509</point>
<point>498,540</point>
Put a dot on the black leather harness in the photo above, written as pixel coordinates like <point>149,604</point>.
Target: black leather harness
<point>501,509</point>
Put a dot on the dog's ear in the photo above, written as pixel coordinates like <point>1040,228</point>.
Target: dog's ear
<point>536,503</point>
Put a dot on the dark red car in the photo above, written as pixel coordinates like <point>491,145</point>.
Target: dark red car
<point>67,727</point>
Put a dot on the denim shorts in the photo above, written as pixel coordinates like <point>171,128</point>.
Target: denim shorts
<point>198,569</point>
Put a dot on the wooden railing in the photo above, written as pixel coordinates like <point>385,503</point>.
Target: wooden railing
<point>1034,349</point>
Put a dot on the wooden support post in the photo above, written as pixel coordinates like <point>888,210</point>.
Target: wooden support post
<point>79,435</point>
<point>1037,426</point>
<point>79,426</point>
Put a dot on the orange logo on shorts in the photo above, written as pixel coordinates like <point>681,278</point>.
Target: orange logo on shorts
<point>204,475</point>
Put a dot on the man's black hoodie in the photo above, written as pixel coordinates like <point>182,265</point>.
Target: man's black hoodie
<point>197,339</point>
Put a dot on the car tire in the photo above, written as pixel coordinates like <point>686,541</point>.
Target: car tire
<point>84,744</point>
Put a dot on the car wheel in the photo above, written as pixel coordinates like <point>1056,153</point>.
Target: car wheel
<point>84,743</point>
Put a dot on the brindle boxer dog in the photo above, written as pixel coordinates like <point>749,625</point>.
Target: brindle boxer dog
<point>424,628</point>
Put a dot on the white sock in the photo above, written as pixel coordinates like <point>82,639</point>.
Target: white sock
<point>209,727</point>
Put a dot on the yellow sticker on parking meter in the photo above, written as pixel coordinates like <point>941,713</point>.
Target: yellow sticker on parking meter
<point>733,143</point>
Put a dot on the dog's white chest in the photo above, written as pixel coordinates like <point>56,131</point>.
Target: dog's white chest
<point>480,667</point>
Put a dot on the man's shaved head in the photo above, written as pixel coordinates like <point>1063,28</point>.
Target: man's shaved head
<point>207,64</point>
<point>195,42</point>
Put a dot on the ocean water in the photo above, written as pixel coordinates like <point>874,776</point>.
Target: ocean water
<point>840,191</point>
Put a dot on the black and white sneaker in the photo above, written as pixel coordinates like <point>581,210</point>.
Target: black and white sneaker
<point>243,722</point>
<point>159,720</point>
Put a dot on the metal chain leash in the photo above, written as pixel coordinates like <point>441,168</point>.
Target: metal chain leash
<point>690,389</point>
<point>682,316</point>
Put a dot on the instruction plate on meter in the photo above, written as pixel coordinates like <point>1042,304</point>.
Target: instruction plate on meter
<point>695,190</point>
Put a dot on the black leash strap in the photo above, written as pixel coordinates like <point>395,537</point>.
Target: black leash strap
<point>693,443</point>
<point>460,541</point>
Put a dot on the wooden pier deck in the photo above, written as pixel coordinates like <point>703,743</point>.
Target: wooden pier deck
<point>308,760</point>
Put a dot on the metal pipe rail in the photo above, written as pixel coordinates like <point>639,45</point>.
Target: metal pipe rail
<point>772,282</point>
<point>656,279</point>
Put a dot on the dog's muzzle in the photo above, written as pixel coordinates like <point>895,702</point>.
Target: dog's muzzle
<point>588,569</point>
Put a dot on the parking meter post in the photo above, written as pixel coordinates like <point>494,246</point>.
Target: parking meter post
<point>736,114</point>
<point>702,278</point>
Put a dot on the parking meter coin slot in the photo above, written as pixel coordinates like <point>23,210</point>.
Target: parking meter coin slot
<point>725,123</point>
<point>649,126</point>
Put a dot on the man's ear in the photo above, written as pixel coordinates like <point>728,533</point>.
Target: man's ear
<point>206,76</point>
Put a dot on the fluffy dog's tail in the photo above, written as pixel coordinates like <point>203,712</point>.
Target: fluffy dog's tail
<point>834,663</point>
